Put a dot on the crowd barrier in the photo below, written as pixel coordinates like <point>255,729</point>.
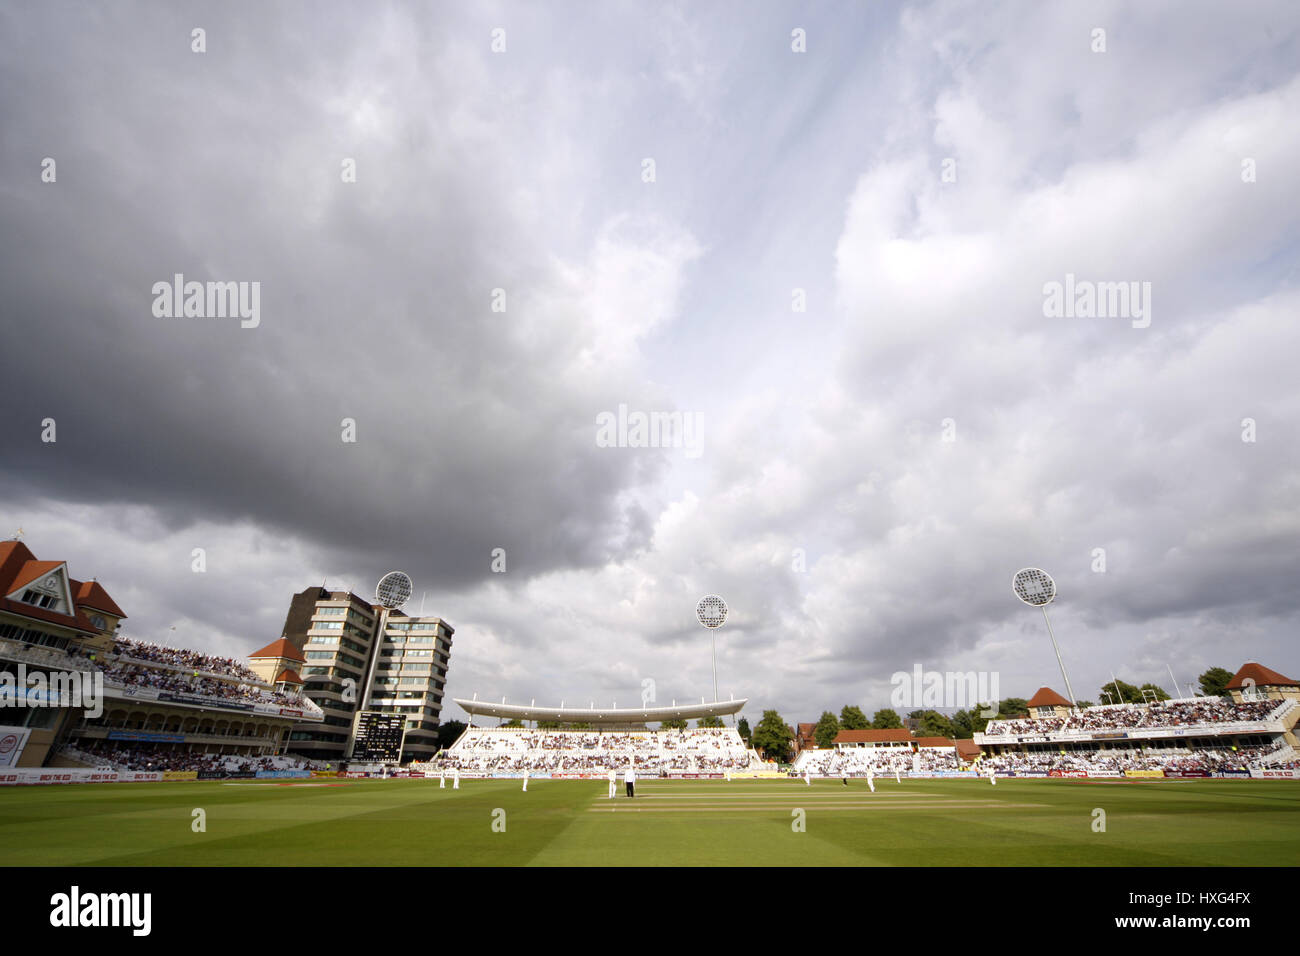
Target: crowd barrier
<point>33,776</point>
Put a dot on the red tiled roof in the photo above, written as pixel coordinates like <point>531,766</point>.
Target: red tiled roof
<point>968,748</point>
<point>872,736</point>
<point>288,676</point>
<point>1046,697</point>
<point>933,742</point>
<point>1261,675</point>
<point>281,648</point>
<point>92,594</point>
<point>16,564</point>
<point>29,572</point>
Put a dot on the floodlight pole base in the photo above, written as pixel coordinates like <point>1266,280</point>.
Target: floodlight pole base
<point>1064,676</point>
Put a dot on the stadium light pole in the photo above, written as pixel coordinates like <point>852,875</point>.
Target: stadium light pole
<point>1177,689</point>
<point>392,592</point>
<point>712,613</point>
<point>1036,588</point>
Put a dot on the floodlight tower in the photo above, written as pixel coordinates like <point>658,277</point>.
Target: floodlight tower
<point>712,613</point>
<point>1036,588</point>
<point>394,590</point>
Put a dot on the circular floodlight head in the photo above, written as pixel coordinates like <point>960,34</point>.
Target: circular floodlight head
<point>1034,586</point>
<point>394,590</point>
<point>712,611</point>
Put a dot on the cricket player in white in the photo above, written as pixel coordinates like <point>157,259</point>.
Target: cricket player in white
<point>807,777</point>
<point>613,782</point>
<point>992,779</point>
<point>871,778</point>
<point>525,781</point>
<point>455,779</point>
<point>442,781</point>
<point>897,777</point>
<point>629,779</point>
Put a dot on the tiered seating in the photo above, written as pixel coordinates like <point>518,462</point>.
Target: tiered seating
<point>1171,713</point>
<point>184,658</point>
<point>1025,725</point>
<point>1209,759</point>
<point>880,760</point>
<point>138,664</point>
<point>127,674</point>
<point>707,750</point>
<point>151,759</point>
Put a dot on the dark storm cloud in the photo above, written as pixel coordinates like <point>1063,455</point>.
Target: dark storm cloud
<point>375,296</point>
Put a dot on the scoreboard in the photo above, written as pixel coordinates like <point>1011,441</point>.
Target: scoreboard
<point>379,736</point>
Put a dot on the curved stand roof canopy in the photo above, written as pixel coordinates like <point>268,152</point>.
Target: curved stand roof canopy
<point>602,716</point>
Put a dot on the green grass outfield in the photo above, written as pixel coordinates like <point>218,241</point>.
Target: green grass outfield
<point>324,822</point>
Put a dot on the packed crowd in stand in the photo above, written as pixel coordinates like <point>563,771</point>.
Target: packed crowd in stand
<point>1201,710</point>
<point>183,657</point>
<point>136,675</point>
<point>1025,725</point>
<point>1209,759</point>
<point>709,750</point>
<point>152,760</point>
<point>880,760</point>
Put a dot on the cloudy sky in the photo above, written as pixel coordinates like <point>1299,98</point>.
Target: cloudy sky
<point>829,248</point>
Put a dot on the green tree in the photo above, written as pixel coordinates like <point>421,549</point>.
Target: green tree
<point>1161,693</point>
<point>772,737</point>
<point>1010,707</point>
<point>1085,704</point>
<point>515,722</point>
<point>676,723</point>
<point>852,718</point>
<point>449,732</point>
<point>967,723</point>
<point>742,728</point>
<point>933,724</point>
<point>826,730</point>
<point>886,719</point>
<point>1128,693</point>
<point>709,722</point>
<point>1214,682</point>
<point>548,725</point>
